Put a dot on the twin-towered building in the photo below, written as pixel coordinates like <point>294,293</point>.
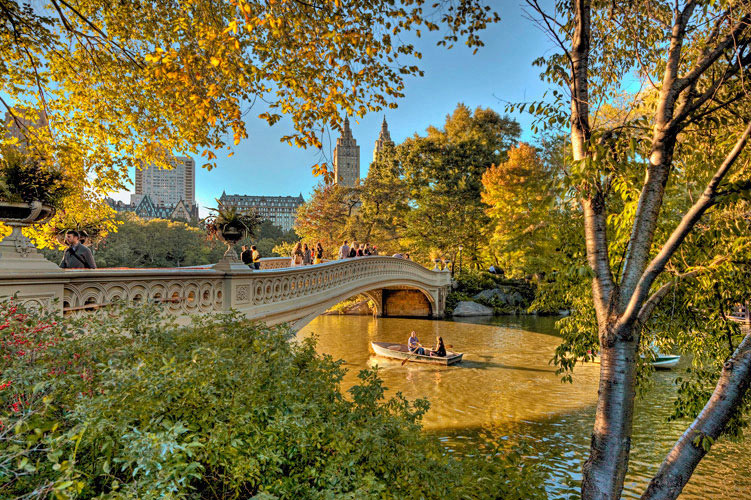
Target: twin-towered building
<point>347,154</point>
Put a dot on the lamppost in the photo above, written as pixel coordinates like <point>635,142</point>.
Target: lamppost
<point>461,247</point>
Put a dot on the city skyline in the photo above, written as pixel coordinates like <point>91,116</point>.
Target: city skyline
<point>499,73</point>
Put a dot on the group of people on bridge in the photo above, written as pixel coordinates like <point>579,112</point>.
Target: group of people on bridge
<point>302,255</point>
<point>356,250</point>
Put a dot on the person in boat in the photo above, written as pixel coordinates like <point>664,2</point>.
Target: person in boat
<point>413,344</point>
<point>440,349</point>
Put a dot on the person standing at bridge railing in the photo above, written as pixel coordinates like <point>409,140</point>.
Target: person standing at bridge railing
<point>318,253</point>
<point>344,250</point>
<point>256,256</point>
<point>296,257</point>
<point>77,255</point>
<point>307,257</point>
<point>246,256</point>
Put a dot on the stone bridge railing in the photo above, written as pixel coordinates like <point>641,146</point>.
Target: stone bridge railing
<point>272,294</point>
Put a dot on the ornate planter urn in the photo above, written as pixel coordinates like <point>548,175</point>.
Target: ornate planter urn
<point>17,254</point>
<point>230,262</point>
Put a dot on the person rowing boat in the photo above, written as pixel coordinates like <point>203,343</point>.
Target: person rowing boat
<point>414,345</point>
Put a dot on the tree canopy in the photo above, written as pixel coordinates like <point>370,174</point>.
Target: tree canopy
<point>422,196</point>
<point>97,87</point>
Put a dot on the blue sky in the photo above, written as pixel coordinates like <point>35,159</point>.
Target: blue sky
<point>501,71</point>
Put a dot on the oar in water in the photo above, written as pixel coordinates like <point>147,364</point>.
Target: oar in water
<point>415,354</point>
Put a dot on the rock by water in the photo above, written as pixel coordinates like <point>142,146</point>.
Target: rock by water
<point>510,298</point>
<point>468,308</point>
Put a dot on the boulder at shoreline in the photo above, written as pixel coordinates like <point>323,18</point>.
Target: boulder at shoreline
<point>506,297</point>
<point>468,308</point>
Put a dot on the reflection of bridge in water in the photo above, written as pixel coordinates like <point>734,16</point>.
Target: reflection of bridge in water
<point>274,294</point>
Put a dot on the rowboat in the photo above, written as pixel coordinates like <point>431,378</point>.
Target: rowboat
<point>400,351</point>
<point>661,361</point>
<point>665,361</point>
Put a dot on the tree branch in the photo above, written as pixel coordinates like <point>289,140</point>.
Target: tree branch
<point>688,451</point>
<point>687,223</point>
<point>649,306</point>
<point>711,56</point>
<point>660,160</point>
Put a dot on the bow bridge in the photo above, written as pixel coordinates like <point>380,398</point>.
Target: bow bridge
<point>274,294</point>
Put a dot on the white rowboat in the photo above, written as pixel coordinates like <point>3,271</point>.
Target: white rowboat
<point>661,361</point>
<point>400,351</point>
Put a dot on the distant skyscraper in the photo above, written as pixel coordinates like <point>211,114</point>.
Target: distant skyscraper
<point>168,187</point>
<point>19,126</point>
<point>383,138</point>
<point>346,158</point>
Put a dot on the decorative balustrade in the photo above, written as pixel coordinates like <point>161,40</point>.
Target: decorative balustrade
<point>276,293</point>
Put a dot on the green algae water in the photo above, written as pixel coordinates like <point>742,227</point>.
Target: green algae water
<point>505,386</point>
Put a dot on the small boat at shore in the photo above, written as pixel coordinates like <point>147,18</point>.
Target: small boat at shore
<point>661,361</point>
<point>401,352</point>
<point>665,361</point>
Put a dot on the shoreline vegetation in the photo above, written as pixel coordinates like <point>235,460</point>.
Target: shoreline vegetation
<point>129,405</point>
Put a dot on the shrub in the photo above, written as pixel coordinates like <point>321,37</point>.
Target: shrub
<point>472,281</point>
<point>26,179</point>
<point>128,405</point>
<point>453,298</point>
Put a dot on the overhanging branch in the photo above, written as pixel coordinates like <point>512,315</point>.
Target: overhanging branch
<point>706,200</point>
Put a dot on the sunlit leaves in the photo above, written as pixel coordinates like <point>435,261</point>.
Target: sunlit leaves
<point>128,84</point>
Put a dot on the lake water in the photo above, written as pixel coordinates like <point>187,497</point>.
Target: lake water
<point>505,385</point>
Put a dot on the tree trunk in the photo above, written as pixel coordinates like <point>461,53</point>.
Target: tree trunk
<point>605,469</point>
<point>680,463</point>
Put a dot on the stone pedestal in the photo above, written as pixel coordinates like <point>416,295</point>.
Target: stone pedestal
<point>230,262</point>
<point>19,256</point>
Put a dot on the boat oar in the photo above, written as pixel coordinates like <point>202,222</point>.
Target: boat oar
<point>415,354</point>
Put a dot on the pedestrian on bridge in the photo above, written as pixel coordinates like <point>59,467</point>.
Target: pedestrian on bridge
<point>296,259</point>
<point>77,255</point>
<point>318,253</point>
<point>344,250</point>
<point>256,257</point>
<point>246,256</point>
<point>307,257</point>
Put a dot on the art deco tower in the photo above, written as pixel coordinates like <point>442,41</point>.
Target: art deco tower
<point>346,158</point>
<point>383,138</point>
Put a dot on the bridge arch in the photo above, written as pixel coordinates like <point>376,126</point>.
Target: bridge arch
<point>376,294</point>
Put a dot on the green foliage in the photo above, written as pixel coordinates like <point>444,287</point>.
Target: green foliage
<point>385,203</point>
<point>443,173</point>
<point>25,179</point>
<point>231,218</point>
<point>472,281</point>
<point>220,409</point>
<point>330,217</point>
<point>164,243</point>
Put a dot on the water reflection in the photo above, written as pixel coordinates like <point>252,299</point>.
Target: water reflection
<point>506,384</point>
